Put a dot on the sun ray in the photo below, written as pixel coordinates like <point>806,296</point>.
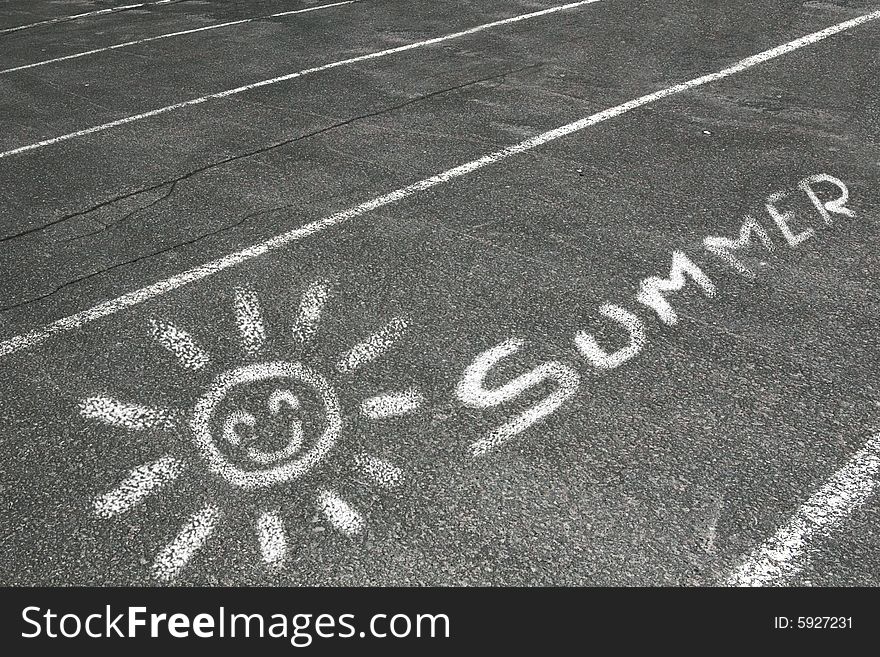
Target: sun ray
<point>140,482</point>
<point>249,318</point>
<point>134,417</point>
<point>180,343</point>
<point>339,513</point>
<point>273,538</point>
<point>310,308</point>
<point>392,404</point>
<point>193,535</point>
<point>378,470</point>
<point>374,346</point>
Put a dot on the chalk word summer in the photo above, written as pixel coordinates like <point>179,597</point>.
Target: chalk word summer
<point>654,292</point>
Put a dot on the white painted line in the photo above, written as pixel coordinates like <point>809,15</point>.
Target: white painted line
<point>134,417</point>
<point>310,308</point>
<point>339,514</point>
<point>249,319</point>
<point>140,482</point>
<point>128,44</point>
<point>273,539</point>
<point>290,76</point>
<point>373,347</point>
<point>784,554</point>
<point>180,343</point>
<point>77,320</point>
<point>193,535</point>
<point>379,471</point>
<point>88,14</point>
<point>392,404</point>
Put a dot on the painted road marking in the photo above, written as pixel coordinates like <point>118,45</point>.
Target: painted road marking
<point>128,44</point>
<point>88,14</point>
<point>290,76</point>
<point>787,552</point>
<point>242,448</point>
<point>113,306</point>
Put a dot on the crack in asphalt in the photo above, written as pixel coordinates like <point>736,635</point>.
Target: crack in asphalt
<point>123,218</point>
<point>146,256</point>
<point>262,150</point>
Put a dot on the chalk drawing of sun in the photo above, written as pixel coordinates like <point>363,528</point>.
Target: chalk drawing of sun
<point>295,422</point>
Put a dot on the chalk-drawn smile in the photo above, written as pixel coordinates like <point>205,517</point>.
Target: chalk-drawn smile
<point>235,419</point>
<point>286,463</point>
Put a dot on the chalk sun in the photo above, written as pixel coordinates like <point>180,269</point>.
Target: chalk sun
<point>254,448</point>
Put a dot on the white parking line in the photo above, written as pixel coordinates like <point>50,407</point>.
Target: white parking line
<point>88,14</point>
<point>77,320</point>
<point>784,554</point>
<point>290,76</point>
<point>128,44</point>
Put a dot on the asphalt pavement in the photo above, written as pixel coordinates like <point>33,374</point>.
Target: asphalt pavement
<point>668,469</point>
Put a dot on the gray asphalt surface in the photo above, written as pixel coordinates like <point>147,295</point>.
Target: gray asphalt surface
<point>667,470</point>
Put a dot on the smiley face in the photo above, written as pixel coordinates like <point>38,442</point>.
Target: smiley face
<point>231,442</point>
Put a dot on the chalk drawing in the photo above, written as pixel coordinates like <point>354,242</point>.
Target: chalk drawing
<point>250,429</point>
<point>193,535</point>
<point>272,538</point>
<point>339,513</point>
<point>471,391</point>
<point>600,358</point>
<point>249,318</point>
<point>374,346</point>
<point>135,417</point>
<point>140,482</point>
<point>392,404</point>
<point>653,293</point>
<point>653,290</point>
<point>827,208</point>
<point>723,247</point>
<point>180,343</point>
<point>310,309</point>
<point>782,219</point>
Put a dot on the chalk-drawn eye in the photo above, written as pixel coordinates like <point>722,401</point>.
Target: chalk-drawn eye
<point>277,401</point>
<point>231,434</point>
<point>253,439</point>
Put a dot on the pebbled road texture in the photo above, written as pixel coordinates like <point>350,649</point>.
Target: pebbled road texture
<point>667,470</point>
